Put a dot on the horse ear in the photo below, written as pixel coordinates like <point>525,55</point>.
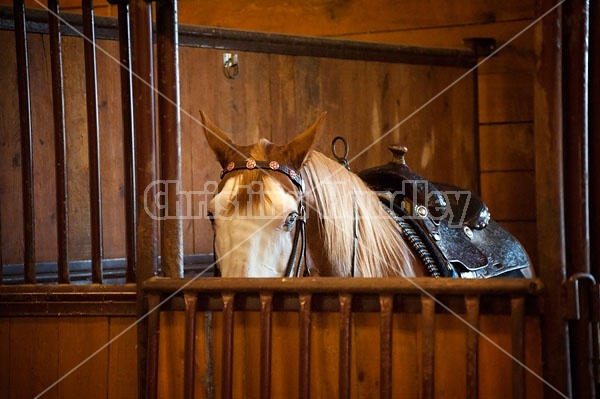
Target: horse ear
<point>218,140</point>
<point>297,150</point>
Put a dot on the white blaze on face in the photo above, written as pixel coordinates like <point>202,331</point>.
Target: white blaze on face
<point>253,243</point>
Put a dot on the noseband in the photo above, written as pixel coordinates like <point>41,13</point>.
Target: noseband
<point>296,266</point>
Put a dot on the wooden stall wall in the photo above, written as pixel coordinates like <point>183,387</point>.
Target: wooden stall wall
<point>275,96</point>
<point>35,352</point>
<point>505,81</point>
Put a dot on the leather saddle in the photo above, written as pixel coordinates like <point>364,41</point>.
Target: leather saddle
<point>453,223</point>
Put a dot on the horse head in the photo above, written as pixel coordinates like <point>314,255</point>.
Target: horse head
<point>257,211</point>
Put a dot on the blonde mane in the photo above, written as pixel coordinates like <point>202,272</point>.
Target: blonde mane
<point>342,200</point>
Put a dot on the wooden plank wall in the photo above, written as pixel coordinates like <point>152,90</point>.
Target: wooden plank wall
<point>275,96</point>
<point>36,351</point>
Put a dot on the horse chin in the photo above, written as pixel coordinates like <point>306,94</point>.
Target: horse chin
<point>251,270</point>
<point>253,266</point>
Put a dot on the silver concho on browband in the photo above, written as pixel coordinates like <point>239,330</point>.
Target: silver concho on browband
<point>251,164</point>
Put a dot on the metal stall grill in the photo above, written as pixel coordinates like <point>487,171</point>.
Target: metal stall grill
<point>58,263</point>
<point>346,298</point>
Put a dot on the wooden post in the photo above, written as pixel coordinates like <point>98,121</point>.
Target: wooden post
<point>549,196</point>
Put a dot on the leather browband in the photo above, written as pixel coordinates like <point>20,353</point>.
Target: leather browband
<point>250,164</point>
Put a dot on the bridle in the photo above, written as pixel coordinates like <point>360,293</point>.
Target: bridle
<point>296,266</point>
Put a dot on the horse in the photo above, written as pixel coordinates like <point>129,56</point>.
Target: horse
<point>289,210</point>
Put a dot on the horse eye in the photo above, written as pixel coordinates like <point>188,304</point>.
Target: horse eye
<point>290,220</point>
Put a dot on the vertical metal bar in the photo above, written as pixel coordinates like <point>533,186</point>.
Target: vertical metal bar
<point>60,142</point>
<point>594,168</point>
<point>152,339</point>
<point>594,137</point>
<point>305,340</point>
<point>266,310</point>
<point>577,190</point>
<point>1,256</point>
<point>345,340</point>
<point>227,345</point>
<point>208,355</point>
<point>517,315</point>
<point>386,303</point>
<point>26,142</point>
<point>575,127</point>
<point>428,345</point>
<point>91,94</point>
<point>472,318</point>
<point>170,136</point>
<point>191,300</point>
<point>595,324</point>
<point>128,140</point>
<point>145,164</point>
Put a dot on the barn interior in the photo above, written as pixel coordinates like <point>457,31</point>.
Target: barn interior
<point>496,97</point>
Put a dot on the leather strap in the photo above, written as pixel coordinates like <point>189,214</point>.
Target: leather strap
<point>251,164</point>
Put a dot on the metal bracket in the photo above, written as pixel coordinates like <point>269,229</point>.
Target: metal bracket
<point>481,46</point>
<point>574,296</point>
<point>231,68</point>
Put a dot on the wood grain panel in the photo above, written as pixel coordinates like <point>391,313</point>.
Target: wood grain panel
<point>450,360</point>
<point>494,365</point>
<point>170,355</point>
<point>122,359</point>
<point>78,339</point>
<point>77,153</point>
<point>190,138</point>
<point>534,386</point>
<point>364,102</point>
<point>285,355</point>
<point>326,17</point>
<point>11,210</point>
<point>509,195</point>
<point>111,150</point>
<point>515,56</point>
<point>43,148</point>
<point>406,371</point>
<point>506,97</point>
<point>365,355</point>
<point>506,147</point>
<point>324,373</point>
<point>34,357</point>
<point>5,360</point>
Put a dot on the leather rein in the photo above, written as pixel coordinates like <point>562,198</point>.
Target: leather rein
<point>296,266</point>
